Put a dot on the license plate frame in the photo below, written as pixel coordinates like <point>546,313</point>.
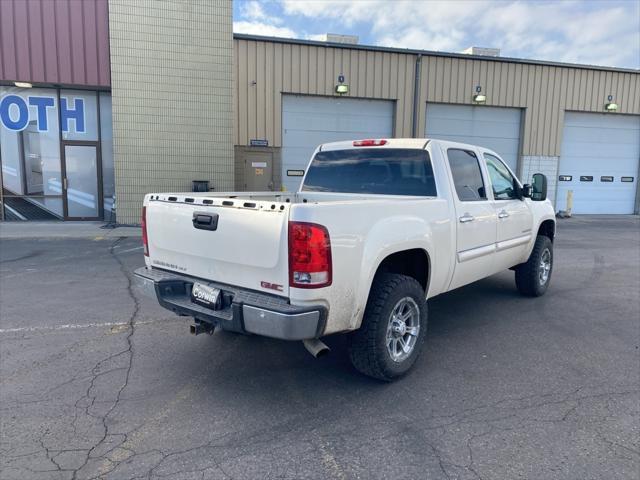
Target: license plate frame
<point>206,296</point>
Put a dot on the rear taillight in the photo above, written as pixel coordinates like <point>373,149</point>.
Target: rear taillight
<point>145,240</point>
<point>369,143</point>
<point>309,255</point>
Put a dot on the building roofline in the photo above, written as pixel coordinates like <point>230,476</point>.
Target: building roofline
<point>429,53</point>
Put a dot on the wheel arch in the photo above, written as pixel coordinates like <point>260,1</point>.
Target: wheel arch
<point>413,262</point>
<point>548,229</point>
<point>406,261</point>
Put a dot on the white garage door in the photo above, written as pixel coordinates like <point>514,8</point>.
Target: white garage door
<point>497,129</point>
<point>599,162</point>
<point>309,121</point>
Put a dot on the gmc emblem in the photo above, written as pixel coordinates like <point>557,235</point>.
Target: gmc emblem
<point>272,286</point>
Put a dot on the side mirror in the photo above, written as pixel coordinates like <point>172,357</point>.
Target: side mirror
<point>539,187</point>
<point>526,190</point>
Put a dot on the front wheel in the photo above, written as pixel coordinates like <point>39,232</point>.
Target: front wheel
<point>532,277</point>
<point>393,328</point>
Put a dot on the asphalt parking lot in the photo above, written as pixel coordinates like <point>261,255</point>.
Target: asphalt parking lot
<point>98,382</point>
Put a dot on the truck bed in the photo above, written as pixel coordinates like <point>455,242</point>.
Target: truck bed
<point>249,246</point>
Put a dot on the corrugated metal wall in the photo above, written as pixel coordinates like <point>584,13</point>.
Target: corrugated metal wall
<point>64,42</point>
<point>545,92</point>
<point>264,70</point>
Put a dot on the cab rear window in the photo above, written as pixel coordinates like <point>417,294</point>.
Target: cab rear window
<point>378,171</point>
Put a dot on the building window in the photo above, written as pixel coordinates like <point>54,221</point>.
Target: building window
<point>30,153</point>
<point>45,173</point>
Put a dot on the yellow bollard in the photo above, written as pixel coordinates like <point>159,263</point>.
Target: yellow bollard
<point>569,202</point>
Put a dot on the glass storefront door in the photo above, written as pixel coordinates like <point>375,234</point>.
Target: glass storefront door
<point>81,185</point>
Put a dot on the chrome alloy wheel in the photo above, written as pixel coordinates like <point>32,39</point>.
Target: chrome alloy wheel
<point>544,269</point>
<point>403,329</point>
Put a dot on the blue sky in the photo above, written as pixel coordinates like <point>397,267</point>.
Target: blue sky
<point>589,31</point>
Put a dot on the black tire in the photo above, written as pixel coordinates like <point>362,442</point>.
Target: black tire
<point>528,275</point>
<point>368,346</point>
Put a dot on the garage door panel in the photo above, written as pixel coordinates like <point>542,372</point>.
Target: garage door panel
<point>605,162</point>
<point>599,145</point>
<point>494,128</point>
<point>510,116</point>
<point>602,120</point>
<point>445,126</point>
<point>341,106</point>
<point>598,137</point>
<point>323,121</point>
<point>600,148</point>
<point>444,111</point>
<point>297,158</point>
<point>308,121</point>
<point>599,200</point>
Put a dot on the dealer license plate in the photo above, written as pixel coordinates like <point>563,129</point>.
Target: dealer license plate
<point>205,295</point>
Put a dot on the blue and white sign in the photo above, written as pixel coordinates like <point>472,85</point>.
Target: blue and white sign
<point>14,112</point>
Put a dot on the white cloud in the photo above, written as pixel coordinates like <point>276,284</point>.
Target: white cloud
<point>254,11</point>
<point>256,21</point>
<point>594,32</point>
<point>265,29</point>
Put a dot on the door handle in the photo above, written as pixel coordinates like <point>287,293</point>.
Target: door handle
<point>467,218</point>
<point>503,214</point>
<point>205,221</point>
<point>65,185</point>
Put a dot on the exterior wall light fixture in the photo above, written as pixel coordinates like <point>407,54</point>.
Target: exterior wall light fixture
<point>23,84</point>
<point>611,106</point>
<point>341,87</point>
<point>479,97</point>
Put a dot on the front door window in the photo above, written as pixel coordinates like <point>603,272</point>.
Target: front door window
<point>502,182</point>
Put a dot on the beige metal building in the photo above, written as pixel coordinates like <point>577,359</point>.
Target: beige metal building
<point>578,124</point>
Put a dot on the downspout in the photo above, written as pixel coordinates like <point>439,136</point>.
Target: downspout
<point>416,97</point>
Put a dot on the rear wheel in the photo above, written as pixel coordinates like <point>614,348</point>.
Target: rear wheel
<point>533,277</point>
<point>393,328</point>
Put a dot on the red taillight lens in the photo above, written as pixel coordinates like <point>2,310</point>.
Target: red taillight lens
<point>309,255</point>
<point>369,143</point>
<point>145,240</point>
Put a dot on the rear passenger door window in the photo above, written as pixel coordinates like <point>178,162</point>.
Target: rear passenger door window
<point>502,182</point>
<point>467,176</point>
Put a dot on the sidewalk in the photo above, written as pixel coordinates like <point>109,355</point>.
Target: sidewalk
<point>64,230</point>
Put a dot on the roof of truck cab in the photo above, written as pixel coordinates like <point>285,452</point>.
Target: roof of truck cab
<point>398,143</point>
<point>390,143</point>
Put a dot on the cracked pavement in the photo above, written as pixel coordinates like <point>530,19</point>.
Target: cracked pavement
<point>98,382</point>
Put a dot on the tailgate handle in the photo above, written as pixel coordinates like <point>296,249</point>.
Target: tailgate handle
<point>205,221</point>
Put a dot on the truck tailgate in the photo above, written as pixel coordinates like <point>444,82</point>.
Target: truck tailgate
<point>248,247</point>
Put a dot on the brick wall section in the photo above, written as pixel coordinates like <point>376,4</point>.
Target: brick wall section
<point>171,64</point>
<point>545,165</point>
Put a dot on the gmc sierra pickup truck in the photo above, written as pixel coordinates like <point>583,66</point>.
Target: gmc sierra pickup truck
<point>376,229</point>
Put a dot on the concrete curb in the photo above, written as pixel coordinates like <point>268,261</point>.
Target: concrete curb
<point>13,230</point>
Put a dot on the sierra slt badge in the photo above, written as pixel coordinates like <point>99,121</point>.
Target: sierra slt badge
<point>205,295</point>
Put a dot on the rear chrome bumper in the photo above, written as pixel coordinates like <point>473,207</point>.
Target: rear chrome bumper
<point>243,310</point>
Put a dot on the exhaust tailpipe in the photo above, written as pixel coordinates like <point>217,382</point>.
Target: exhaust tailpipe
<point>316,347</point>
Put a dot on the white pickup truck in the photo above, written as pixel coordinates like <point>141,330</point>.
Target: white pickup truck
<point>376,228</point>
